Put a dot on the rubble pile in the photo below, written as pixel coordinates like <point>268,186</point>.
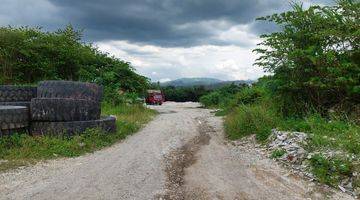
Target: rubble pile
<point>296,158</point>
<point>291,142</point>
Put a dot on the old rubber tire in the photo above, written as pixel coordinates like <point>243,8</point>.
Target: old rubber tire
<point>9,132</point>
<point>64,109</point>
<point>16,103</point>
<point>69,89</point>
<point>107,124</point>
<point>13,117</point>
<point>16,93</point>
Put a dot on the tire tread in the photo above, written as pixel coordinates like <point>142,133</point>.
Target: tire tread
<point>69,89</point>
<point>64,109</point>
<point>107,124</point>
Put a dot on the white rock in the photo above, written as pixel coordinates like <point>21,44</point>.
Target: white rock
<point>341,188</point>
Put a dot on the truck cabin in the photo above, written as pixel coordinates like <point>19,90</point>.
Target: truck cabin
<point>155,97</point>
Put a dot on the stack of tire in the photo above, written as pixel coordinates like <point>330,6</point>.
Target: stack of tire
<point>14,108</point>
<point>66,108</point>
<point>12,95</point>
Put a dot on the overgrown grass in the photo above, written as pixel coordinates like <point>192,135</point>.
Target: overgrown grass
<point>330,171</point>
<point>20,149</point>
<point>324,134</point>
<point>277,153</point>
<point>250,119</point>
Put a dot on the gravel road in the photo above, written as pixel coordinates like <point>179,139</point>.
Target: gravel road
<point>181,154</point>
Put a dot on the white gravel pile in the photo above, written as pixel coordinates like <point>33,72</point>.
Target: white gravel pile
<point>297,158</point>
<point>291,142</point>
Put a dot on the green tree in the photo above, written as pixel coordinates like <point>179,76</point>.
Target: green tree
<point>315,57</point>
<point>29,55</point>
<point>182,94</point>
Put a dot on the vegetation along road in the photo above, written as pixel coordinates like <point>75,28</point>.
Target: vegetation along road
<point>181,154</point>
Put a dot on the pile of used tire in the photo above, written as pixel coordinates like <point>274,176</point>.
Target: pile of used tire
<point>59,108</point>
<point>12,95</point>
<point>14,108</point>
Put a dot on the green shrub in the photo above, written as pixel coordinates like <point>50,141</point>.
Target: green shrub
<point>250,95</point>
<point>30,55</point>
<point>314,58</point>
<point>277,153</point>
<point>183,94</point>
<point>250,119</point>
<point>330,171</point>
<point>211,100</point>
<point>222,97</point>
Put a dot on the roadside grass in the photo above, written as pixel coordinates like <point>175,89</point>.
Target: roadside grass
<point>277,153</point>
<point>22,149</point>
<point>324,135</point>
<point>330,170</point>
<point>246,120</point>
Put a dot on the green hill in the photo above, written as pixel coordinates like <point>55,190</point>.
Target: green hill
<point>188,82</point>
<point>210,83</point>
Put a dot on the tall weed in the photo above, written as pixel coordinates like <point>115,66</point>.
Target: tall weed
<point>250,119</point>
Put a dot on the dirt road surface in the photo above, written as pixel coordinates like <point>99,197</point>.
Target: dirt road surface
<point>181,154</point>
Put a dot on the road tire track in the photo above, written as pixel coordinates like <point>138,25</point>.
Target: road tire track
<point>180,159</point>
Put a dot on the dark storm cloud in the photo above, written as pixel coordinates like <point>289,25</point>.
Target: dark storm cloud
<point>158,22</point>
<point>161,22</point>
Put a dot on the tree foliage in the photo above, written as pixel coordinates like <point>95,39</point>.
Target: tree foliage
<point>315,57</point>
<point>183,94</point>
<point>223,96</point>
<point>29,55</point>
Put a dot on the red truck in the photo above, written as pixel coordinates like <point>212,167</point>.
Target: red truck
<point>155,97</point>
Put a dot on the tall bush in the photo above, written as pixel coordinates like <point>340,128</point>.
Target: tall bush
<point>29,55</point>
<point>314,58</point>
<point>251,119</point>
<point>183,94</point>
<point>221,97</point>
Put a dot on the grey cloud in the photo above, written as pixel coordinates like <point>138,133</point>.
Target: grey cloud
<point>262,27</point>
<point>160,72</point>
<point>154,22</point>
<point>39,13</point>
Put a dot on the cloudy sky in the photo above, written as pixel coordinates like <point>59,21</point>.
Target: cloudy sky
<point>163,39</point>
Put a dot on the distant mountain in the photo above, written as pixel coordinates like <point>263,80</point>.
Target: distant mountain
<point>210,83</point>
<point>188,82</point>
<point>223,83</point>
